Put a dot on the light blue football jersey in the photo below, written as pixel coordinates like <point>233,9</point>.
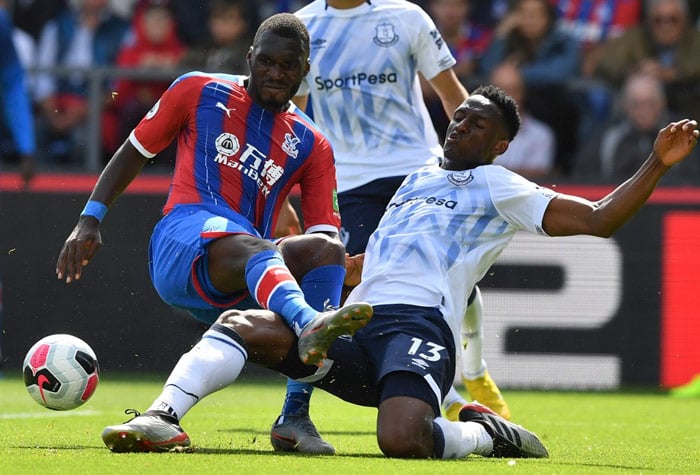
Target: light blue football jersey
<point>441,233</point>
<point>364,87</point>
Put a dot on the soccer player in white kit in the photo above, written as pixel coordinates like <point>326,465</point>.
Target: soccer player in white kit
<point>442,231</point>
<point>365,95</point>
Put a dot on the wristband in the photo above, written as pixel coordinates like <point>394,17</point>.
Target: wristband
<point>95,209</point>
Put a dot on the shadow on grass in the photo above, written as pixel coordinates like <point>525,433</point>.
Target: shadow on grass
<point>603,465</point>
<point>253,452</point>
<point>233,451</point>
<point>58,447</point>
<point>193,451</point>
<point>242,430</point>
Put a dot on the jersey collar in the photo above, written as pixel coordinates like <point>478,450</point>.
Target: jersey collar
<point>368,3</point>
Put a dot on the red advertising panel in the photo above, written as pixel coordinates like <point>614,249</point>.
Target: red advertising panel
<point>680,295</point>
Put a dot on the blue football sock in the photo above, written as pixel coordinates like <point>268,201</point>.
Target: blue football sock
<point>321,286</point>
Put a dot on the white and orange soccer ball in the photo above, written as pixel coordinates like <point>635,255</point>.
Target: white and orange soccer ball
<point>61,372</point>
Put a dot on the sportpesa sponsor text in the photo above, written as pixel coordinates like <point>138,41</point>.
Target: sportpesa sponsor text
<point>355,80</point>
<point>431,200</point>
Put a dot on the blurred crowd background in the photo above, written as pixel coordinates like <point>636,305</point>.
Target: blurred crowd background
<point>595,79</point>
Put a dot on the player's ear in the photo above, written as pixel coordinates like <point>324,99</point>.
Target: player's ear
<point>501,147</point>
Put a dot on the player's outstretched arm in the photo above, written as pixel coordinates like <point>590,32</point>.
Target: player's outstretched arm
<point>85,239</point>
<point>567,215</point>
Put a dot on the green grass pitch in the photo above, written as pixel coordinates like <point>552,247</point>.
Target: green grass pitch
<point>631,432</point>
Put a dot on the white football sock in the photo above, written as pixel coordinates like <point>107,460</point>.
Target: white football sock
<point>463,438</point>
<point>453,397</point>
<point>473,365</point>
<point>213,363</point>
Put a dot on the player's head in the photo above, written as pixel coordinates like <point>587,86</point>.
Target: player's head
<point>507,106</point>
<point>278,60</point>
<point>481,128</point>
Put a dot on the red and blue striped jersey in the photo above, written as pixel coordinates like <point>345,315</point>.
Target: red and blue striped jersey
<point>595,21</point>
<point>234,154</point>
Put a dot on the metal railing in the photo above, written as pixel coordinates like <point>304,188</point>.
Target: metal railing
<point>97,78</point>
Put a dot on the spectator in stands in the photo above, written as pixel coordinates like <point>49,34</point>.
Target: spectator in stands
<point>78,39</point>
<point>548,60</point>
<point>17,145</point>
<point>665,45</point>
<point>593,22</point>
<point>488,12</point>
<point>614,152</point>
<point>531,152</point>
<point>466,39</point>
<point>191,18</point>
<point>266,8</point>
<point>31,16</point>
<point>467,42</point>
<point>153,46</point>
<point>229,39</point>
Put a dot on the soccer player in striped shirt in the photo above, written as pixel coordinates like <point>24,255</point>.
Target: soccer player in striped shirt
<point>242,146</point>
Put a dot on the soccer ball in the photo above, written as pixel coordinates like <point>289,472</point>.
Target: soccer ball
<point>60,372</point>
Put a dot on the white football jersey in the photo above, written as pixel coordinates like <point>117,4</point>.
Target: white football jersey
<point>441,233</point>
<point>364,88</point>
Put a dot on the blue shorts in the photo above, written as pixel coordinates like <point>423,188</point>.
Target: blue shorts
<point>361,209</point>
<point>398,338</point>
<point>178,261</point>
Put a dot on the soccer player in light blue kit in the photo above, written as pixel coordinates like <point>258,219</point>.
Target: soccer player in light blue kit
<point>442,231</point>
<point>364,90</point>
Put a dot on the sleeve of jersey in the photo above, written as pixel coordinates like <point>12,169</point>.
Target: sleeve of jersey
<point>319,203</point>
<point>430,50</point>
<point>519,201</point>
<point>167,117</point>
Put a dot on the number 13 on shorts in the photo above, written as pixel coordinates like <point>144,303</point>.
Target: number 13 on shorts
<point>425,349</point>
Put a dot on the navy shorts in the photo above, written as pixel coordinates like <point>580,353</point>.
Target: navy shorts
<point>178,261</point>
<point>361,209</point>
<point>398,338</point>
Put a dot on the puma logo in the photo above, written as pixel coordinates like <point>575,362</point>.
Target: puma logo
<point>219,105</point>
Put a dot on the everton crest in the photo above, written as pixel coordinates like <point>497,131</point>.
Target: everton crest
<point>385,35</point>
<point>460,178</point>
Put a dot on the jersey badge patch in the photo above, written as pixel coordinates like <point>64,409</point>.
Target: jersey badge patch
<point>153,110</point>
<point>385,35</point>
<point>227,145</point>
<point>290,145</point>
<point>460,178</point>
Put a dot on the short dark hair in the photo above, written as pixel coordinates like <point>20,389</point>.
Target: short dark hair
<point>285,25</point>
<point>505,103</point>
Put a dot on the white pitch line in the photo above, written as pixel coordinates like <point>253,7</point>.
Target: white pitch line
<point>39,415</point>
